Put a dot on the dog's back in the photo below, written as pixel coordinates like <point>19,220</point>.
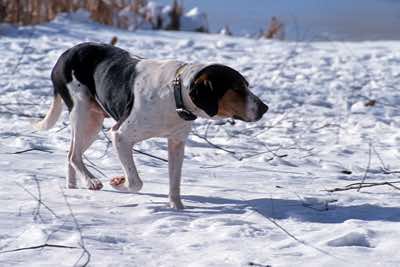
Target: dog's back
<point>106,71</point>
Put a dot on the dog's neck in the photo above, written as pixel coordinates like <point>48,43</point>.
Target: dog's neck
<point>187,74</point>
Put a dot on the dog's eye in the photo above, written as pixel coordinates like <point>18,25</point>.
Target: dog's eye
<point>239,89</point>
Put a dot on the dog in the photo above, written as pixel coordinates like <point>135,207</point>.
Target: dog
<point>146,98</point>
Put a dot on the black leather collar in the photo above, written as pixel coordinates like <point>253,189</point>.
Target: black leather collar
<point>180,106</point>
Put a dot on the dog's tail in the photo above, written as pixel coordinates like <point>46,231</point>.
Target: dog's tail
<point>61,94</point>
<point>52,115</point>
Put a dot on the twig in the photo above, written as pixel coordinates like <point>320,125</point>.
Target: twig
<point>18,104</point>
<point>294,237</point>
<point>94,166</point>
<point>258,264</point>
<point>364,185</point>
<point>309,205</point>
<point>85,251</point>
<point>62,128</point>
<point>36,247</point>
<point>135,150</point>
<point>149,155</point>
<point>39,200</point>
<point>33,149</point>
<point>19,60</point>
<point>386,171</point>
<point>273,125</point>
<point>326,125</point>
<point>50,235</point>
<point>215,145</point>
<point>368,166</point>
<point>264,152</point>
<point>11,241</point>
<point>108,143</point>
<point>40,116</point>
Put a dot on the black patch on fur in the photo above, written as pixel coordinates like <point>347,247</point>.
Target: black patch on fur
<point>107,71</point>
<point>59,80</point>
<point>222,78</point>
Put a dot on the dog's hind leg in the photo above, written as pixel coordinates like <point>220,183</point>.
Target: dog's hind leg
<point>71,173</point>
<point>86,122</point>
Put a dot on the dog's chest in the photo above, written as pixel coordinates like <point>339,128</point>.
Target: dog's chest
<point>154,113</point>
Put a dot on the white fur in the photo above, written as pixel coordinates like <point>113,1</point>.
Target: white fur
<point>86,122</point>
<point>153,115</point>
<point>251,106</point>
<point>52,115</point>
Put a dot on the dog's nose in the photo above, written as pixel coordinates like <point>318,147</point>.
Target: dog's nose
<point>261,110</point>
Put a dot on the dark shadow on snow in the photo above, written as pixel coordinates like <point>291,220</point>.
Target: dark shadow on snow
<point>282,209</point>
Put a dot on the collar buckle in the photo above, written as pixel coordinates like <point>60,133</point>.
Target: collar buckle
<point>186,114</point>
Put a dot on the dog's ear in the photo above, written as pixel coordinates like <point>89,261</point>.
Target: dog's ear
<point>204,95</point>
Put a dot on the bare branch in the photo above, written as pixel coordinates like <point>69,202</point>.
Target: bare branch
<point>40,116</point>
<point>368,166</point>
<point>214,145</point>
<point>364,185</point>
<point>37,247</point>
<point>39,200</point>
<point>24,50</point>
<point>33,149</point>
<point>135,150</point>
<point>94,166</point>
<point>274,222</point>
<point>85,251</point>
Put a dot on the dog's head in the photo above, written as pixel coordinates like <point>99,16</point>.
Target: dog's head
<point>221,91</point>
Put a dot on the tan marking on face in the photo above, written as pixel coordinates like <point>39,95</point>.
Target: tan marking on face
<point>203,78</point>
<point>232,103</point>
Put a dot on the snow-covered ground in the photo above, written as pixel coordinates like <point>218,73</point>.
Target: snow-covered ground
<point>262,203</point>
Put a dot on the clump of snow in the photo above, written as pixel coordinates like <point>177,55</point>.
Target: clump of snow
<point>186,43</point>
<point>350,239</point>
<point>194,20</point>
<point>358,107</point>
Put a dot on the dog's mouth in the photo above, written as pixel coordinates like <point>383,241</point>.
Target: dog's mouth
<point>237,117</point>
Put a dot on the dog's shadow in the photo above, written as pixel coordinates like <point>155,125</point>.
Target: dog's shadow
<point>281,209</point>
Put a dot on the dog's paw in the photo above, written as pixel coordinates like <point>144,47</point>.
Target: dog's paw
<point>71,182</point>
<point>94,184</point>
<point>72,186</point>
<point>118,183</point>
<point>136,186</point>
<point>176,203</point>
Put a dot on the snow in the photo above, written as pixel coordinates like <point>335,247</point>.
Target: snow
<point>350,239</point>
<point>263,202</point>
<point>194,20</point>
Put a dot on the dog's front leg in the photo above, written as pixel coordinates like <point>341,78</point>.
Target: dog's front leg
<point>123,144</point>
<point>176,149</point>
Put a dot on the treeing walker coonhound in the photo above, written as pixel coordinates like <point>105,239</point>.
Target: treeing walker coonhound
<point>146,98</point>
